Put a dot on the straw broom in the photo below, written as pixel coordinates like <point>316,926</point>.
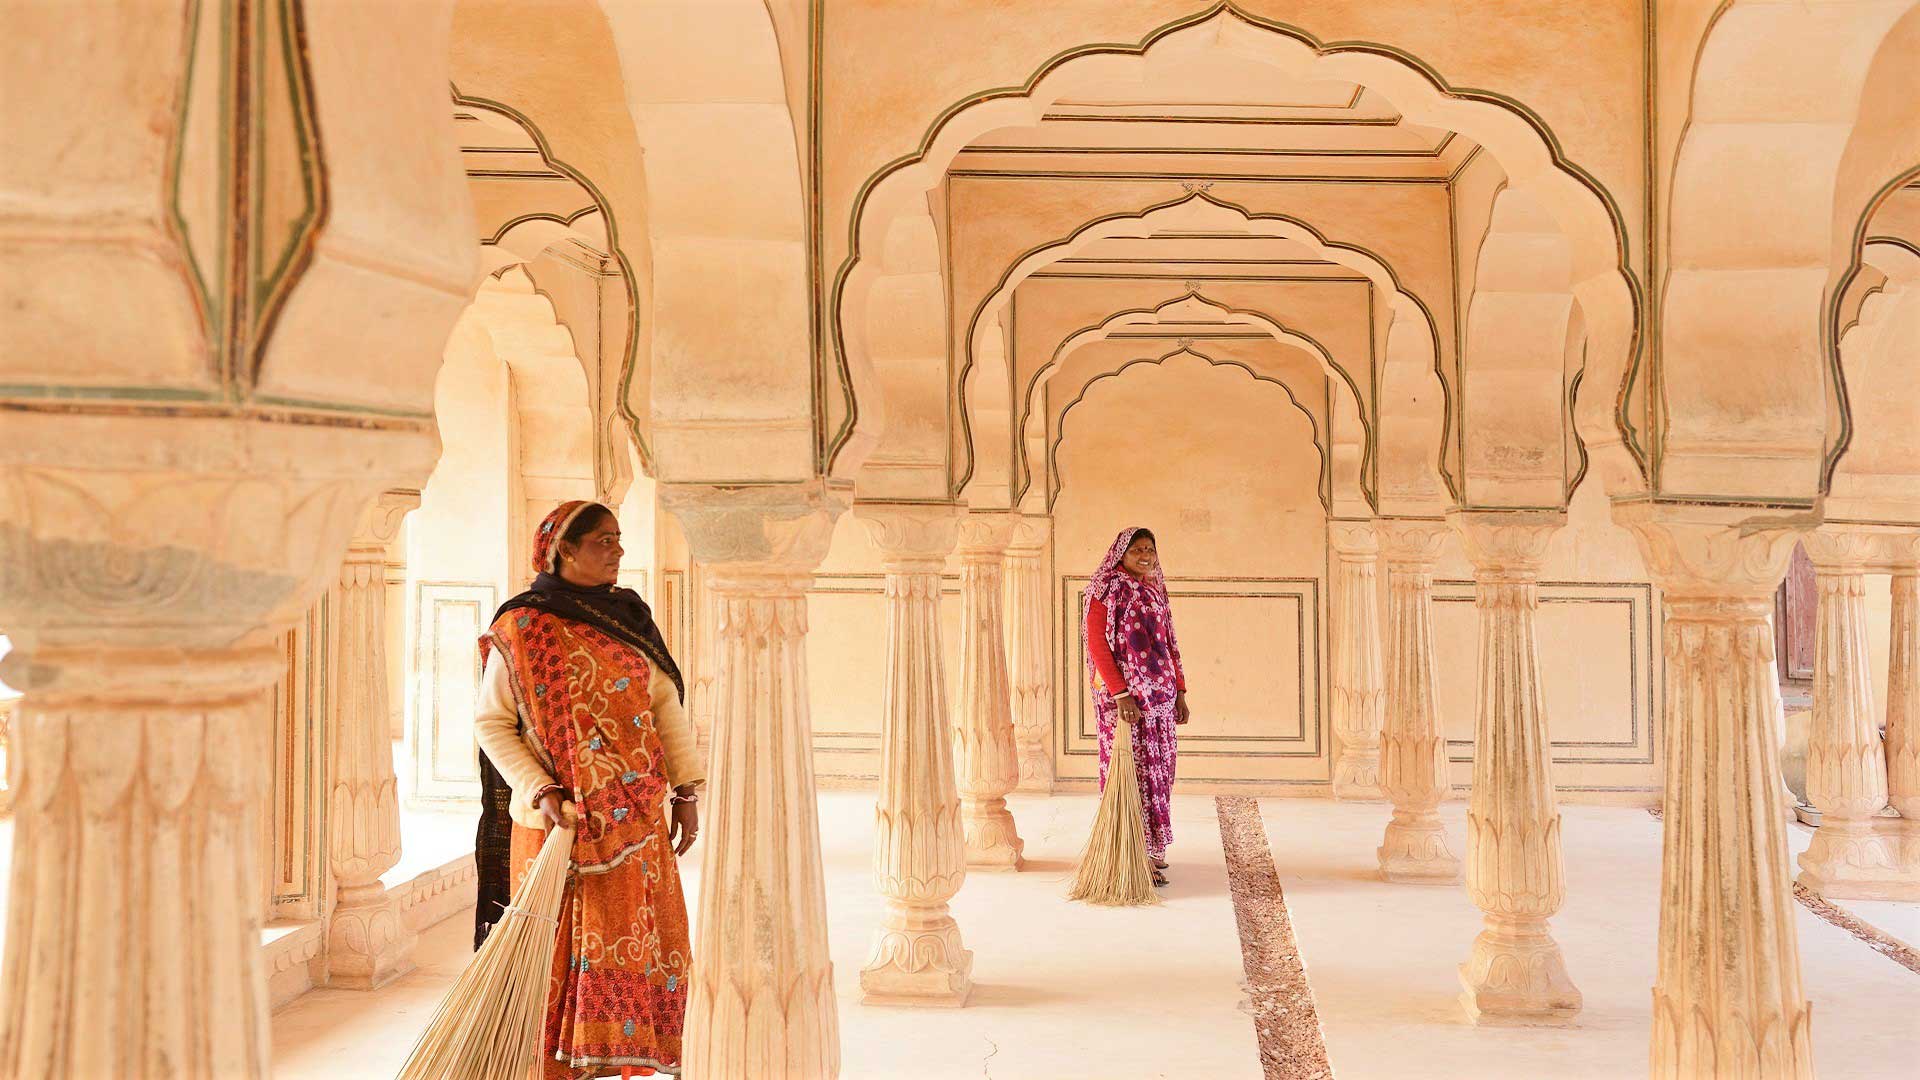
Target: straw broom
<point>1114,871</point>
<point>488,1027</point>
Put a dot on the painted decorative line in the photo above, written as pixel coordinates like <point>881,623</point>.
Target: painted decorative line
<point>1284,1019</point>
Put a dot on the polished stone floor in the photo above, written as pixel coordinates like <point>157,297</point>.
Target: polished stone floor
<point>1067,992</point>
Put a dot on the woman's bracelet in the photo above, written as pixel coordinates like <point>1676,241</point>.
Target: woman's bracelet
<point>677,798</point>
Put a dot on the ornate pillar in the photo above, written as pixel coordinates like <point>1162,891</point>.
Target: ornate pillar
<point>761,984</point>
<point>1727,1001</point>
<point>196,407</point>
<point>1846,764</point>
<point>989,761</point>
<point>368,945</point>
<point>1903,710</point>
<point>919,857</point>
<point>1358,693</point>
<point>1516,973</point>
<point>1413,746</point>
<point>1028,653</point>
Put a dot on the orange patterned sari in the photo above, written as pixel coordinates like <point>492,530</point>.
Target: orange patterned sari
<point>618,994</point>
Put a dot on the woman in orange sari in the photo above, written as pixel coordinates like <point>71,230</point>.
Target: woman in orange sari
<point>580,704</point>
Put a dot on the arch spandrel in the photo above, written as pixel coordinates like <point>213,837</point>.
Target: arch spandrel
<point>1767,191</point>
<point>1608,291</point>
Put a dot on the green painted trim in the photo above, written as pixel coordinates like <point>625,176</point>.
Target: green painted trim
<point>629,364</point>
<point>270,291</point>
<point>515,222</point>
<point>1635,287</point>
<point>1369,413</point>
<point>205,300</point>
<point>1830,320</point>
<point>1433,328</point>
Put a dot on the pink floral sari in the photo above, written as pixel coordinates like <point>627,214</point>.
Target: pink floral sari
<point>1140,634</point>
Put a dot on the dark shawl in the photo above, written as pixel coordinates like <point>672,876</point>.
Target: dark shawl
<point>621,614</point>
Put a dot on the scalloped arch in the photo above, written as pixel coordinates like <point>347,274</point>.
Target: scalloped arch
<point>1522,144</point>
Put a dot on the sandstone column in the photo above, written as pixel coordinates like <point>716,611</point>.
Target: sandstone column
<point>761,983</point>
<point>919,856</point>
<point>1358,692</point>
<point>989,760</point>
<point>1516,973</point>
<point>1846,765</point>
<point>1028,653</point>
<point>368,945</point>
<point>221,341</point>
<point>1413,747</point>
<point>1727,1001</point>
<point>1903,708</point>
<point>133,938</point>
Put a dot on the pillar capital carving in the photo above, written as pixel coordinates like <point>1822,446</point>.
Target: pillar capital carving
<point>778,530</point>
<point>985,535</point>
<point>1415,541</point>
<point>1507,544</point>
<point>911,538</point>
<point>1030,534</point>
<point>1353,539</point>
<point>380,522</point>
<point>1708,553</point>
<point>1863,548</point>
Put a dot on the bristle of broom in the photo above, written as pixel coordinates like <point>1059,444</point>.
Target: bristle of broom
<point>488,1027</point>
<point>1115,871</point>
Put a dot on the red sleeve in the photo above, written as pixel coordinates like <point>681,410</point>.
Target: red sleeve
<point>1102,654</point>
<point>1179,670</point>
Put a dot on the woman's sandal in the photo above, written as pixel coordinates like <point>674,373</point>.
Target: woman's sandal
<point>1159,879</point>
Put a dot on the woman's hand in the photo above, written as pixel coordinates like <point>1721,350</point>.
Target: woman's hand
<point>1129,709</point>
<point>1180,713</point>
<point>554,808</point>
<point>684,827</point>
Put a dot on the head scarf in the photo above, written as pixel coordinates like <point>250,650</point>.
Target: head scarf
<point>546,539</point>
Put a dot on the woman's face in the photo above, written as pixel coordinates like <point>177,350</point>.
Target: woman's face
<point>595,560</point>
<point>1141,558</point>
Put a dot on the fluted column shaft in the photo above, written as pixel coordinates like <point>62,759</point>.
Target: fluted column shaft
<point>1846,764</point>
<point>1903,694</point>
<point>919,855</point>
<point>135,903</point>
<point>989,758</point>
<point>1727,1001</point>
<point>368,944</point>
<point>1903,716</point>
<point>761,998</point>
<point>1413,745</point>
<point>1028,655</point>
<point>1516,973</point>
<point>1359,691</point>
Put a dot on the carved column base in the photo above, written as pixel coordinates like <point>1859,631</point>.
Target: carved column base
<point>1857,860</point>
<point>1414,850</point>
<point>993,842</point>
<point>1516,975</point>
<point>918,959</point>
<point>1356,776</point>
<point>368,943</point>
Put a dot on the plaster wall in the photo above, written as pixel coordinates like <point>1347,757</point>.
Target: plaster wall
<point>1223,469</point>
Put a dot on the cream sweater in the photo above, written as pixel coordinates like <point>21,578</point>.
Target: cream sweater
<point>523,762</point>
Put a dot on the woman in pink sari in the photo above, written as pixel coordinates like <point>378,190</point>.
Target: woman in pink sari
<point>1133,662</point>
